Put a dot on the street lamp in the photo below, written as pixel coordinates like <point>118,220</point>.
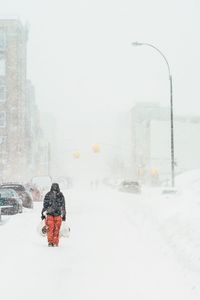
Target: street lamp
<point>171,107</point>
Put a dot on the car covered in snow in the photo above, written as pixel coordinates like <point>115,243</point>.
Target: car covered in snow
<point>35,192</point>
<point>21,191</point>
<point>130,186</point>
<point>10,202</point>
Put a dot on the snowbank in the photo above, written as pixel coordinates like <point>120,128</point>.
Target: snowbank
<point>177,219</point>
<point>189,181</point>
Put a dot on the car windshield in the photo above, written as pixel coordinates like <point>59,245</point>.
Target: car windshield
<point>18,188</point>
<point>6,193</point>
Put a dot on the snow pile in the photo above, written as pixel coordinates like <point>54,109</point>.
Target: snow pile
<point>177,219</point>
<point>172,222</point>
<point>189,181</point>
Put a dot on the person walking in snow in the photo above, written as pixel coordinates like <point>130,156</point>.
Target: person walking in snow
<point>54,207</point>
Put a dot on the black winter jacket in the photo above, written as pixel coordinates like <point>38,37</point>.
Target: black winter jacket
<point>54,204</point>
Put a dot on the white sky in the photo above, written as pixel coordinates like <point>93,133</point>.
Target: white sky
<point>82,64</point>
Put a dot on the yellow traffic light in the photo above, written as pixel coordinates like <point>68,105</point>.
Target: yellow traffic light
<point>154,172</point>
<point>96,148</point>
<point>76,155</point>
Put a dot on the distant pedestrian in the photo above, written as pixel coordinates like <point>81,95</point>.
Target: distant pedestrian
<point>54,213</point>
<point>96,184</point>
<point>91,184</point>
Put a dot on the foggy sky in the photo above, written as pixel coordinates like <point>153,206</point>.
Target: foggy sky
<point>81,61</point>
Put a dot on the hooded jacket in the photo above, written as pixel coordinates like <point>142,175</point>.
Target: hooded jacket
<point>54,202</point>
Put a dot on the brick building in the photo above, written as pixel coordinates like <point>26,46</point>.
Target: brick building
<point>17,108</point>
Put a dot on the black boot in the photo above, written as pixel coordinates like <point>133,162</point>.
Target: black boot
<point>50,245</point>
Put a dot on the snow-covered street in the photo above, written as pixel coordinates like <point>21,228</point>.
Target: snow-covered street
<point>114,252</point>
<point>99,140</point>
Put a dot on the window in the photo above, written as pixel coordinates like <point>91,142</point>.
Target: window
<point>2,67</point>
<point>2,40</point>
<point>3,149</point>
<point>2,140</point>
<point>2,119</point>
<point>7,193</point>
<point>2,93</point>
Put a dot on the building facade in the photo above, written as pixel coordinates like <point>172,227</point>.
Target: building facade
<point>151,143</point>
<point>18,116</point>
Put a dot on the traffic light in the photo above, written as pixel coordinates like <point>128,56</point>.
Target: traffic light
<point>76,155</point>
<point>96,148</point>
<point>154,172</point>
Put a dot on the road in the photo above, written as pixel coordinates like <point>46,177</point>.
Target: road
<point>113,253</point>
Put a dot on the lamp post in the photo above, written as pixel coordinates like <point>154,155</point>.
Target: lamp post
<point>171,107</point>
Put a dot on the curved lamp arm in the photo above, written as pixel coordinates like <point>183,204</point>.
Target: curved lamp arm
<point>152,46</point>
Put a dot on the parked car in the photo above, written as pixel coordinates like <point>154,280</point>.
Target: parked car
<point>11,201</point>
<point>64,182</point>
<point>43,183</point>
<point>25,196</point>
<point>112,183</point>
<point>130,187</point>
<point>34,191</point>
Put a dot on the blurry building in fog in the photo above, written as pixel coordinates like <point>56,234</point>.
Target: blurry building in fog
<point>120,148</point>
<point>51,152</point>
<point>34,138</point>
<point>18,114</point>
<point>151,142</point>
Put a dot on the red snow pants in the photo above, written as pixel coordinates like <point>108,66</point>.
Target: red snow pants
<point>53,228</point>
